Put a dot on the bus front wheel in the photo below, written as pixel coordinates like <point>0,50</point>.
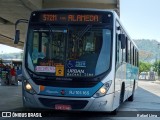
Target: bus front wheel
<point>121,98</point>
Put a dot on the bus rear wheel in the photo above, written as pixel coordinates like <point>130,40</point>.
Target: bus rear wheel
<point>131,98</point>
<point>121,99</point>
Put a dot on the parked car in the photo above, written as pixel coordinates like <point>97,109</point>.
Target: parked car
<point>148,75</point>
<point>143,76</point>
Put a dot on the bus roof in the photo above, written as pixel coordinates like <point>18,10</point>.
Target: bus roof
<point>75,9</point>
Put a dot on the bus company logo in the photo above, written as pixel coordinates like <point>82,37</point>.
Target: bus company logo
<point>75,72</point>
<point>63,92</point>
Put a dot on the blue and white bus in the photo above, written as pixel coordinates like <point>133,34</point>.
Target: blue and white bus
<point>78,59</point>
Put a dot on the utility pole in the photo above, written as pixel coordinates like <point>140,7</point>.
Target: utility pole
<point>158,60</point>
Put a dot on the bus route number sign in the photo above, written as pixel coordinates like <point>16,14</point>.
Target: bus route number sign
<point>71,18</point>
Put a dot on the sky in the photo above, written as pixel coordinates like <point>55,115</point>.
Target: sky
<point>140,18</point>
<point>8,49</point>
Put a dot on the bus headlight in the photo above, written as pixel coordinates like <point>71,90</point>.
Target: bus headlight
<point>28,87</point>
<point>103,90</point>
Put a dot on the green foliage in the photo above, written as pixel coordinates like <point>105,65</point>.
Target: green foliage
<point>144,66</point>
<point>156,67</point>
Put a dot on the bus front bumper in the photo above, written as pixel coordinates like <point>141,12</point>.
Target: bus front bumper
<point>76,104</point>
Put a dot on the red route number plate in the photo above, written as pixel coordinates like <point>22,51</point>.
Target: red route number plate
<point>62,107</point>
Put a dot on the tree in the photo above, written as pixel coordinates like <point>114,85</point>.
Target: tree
<point>156,67</point>
<point>144,66</point>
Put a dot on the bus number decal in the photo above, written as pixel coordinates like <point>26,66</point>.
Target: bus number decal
<point>49,17</point>
<point>86,93</point>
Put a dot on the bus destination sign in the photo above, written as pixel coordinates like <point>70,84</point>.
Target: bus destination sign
<point>72,18</point>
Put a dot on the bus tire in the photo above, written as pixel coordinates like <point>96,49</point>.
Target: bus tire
<point>114,112</point>
<point>121,99</point>
<point>131,98</point>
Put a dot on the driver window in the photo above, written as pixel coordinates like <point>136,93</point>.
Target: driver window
<point>44,44</point>
<point>35,47</point>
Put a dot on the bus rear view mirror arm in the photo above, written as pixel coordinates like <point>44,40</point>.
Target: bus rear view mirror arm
<point>17,36</point>
<point>17,32</point>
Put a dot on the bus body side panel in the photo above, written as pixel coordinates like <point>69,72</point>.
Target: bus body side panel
<point>121,72</point>
<point>116,86</point>
<point>134,76</point>
<point>124,72</point>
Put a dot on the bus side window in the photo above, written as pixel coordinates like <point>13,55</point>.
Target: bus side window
<point>129,55</point>
<point>131,51</point>
<point>118,51</point>
<point>124,52</point>
<point>133,63</point>
<point>137,59</point>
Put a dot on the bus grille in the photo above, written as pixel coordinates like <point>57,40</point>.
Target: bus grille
<point>72,84</point>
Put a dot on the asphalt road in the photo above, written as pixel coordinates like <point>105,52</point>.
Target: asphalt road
<point>146,105</point>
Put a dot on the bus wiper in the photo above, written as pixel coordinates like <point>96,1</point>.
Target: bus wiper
<point>38,77</point>
<point>81,33</point>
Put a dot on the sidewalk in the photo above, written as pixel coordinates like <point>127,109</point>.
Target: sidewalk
<point>153,81</point>
<point>157,81</point>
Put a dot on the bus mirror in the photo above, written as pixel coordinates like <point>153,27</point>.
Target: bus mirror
<point>17,35</point>
<point>122,38</point>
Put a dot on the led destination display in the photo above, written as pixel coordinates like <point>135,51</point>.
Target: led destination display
<point>70,18</point>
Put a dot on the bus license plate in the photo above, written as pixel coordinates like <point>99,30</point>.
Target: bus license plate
<point>62,107</point>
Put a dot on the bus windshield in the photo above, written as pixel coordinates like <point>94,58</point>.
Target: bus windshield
<point>68,51</point>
